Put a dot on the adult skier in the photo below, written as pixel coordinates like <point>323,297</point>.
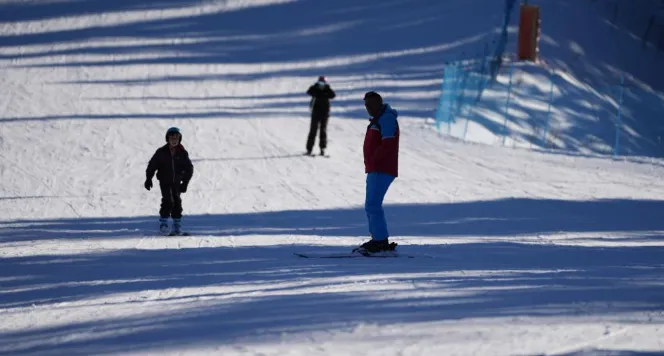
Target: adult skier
<point>320,93</point>
<point>381,162</point>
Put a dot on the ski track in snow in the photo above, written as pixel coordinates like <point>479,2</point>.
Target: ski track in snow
<point>536,253</point>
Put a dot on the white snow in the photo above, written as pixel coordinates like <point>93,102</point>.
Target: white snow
<point>535,251</point>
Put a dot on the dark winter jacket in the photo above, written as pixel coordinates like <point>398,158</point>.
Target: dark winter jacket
<point>320,101</point>
<point>381,143</point>
<point>172,169</point>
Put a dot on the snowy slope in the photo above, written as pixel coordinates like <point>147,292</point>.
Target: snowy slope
<point>533,252</point>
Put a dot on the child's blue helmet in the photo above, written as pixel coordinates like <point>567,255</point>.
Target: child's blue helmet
<point>173,130</point>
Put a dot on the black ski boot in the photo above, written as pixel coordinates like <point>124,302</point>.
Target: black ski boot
<point>375,246</point>
<point>163,226</point>
<point>177,227</point>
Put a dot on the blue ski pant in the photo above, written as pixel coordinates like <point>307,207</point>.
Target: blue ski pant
<point>377,185</point>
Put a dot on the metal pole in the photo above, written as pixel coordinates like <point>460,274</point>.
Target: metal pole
<point>468,107</point>
<point>548,112</point>
<point>454,100</point>
<point>507,103</point>
<point>444,93</point>
<point>619,123</point>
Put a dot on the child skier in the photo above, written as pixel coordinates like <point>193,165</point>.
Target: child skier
<point>174,170</point>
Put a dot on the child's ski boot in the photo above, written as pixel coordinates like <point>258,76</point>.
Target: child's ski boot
<point>163,226</point>
<point>177,227</point>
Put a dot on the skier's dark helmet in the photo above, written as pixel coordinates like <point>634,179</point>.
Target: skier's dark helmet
<point>173,130</point>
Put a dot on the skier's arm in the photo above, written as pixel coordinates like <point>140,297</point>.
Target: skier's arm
<point>388,129</point>
<point>152,167</point>
<point>331,94</point>
<point>312,90</point>
<point>188,169</point>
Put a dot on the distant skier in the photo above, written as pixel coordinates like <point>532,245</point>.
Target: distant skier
<point>381,162</point>
<point>174,171</point>
<point>321,93</point>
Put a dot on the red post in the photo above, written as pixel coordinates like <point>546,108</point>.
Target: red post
<point>529,32</point>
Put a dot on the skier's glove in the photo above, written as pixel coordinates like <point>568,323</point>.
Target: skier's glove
<point>148,184</point>
<point>183,187</point>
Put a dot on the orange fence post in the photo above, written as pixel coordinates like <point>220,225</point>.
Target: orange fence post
<point>529,32</point>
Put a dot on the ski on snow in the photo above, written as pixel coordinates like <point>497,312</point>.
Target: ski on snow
<point>166,233</point>
<point>180,234</point>
<point>390,254</point>
<point>313,155</point>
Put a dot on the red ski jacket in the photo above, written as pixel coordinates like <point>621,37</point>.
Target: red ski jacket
<point>381,143</point>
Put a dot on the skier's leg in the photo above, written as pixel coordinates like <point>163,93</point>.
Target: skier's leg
<point>370,187</point>
<point>377,186</point>
<point>177,203</point>
<point>323,134</point>
<point>176,214</point>
<point>166,201</point>
<point>313,128</point>
<point>166,208</point>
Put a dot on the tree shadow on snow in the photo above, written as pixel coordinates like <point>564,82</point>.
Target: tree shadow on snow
<point>203,296</point>
<point>370,38</point>
<point>607,352</point>
<point>263,292</point>
<point>360,39</point>
<point>499,218</point>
